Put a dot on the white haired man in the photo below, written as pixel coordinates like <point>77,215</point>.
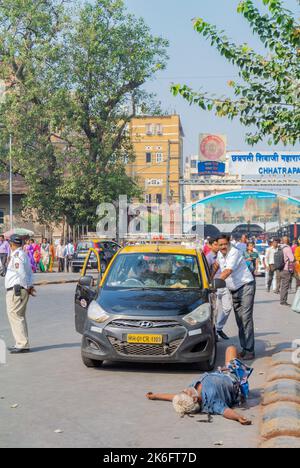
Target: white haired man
<point>213,393</point>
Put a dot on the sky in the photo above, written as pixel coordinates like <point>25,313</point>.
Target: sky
<point>195,63</point>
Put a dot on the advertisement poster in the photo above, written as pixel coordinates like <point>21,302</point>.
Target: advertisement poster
<point>275,165</point>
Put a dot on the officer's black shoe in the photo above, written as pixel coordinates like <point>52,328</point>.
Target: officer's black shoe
<point>19,350</point>
<point>223,335</point>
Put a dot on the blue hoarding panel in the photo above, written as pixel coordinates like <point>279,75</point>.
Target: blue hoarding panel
<point>211,168</point>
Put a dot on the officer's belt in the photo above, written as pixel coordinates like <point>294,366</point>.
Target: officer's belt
<point>11,289</point>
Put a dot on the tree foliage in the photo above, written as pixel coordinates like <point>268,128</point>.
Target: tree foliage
<point>268,96</point>
<point>73,81</point>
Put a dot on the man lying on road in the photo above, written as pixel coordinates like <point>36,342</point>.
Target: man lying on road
<point>214,393</point>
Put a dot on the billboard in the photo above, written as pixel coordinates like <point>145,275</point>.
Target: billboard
<point>268,210</point>
<point>212,148</point>
<point>212,154</point>
<point>275,165</point>
<point>211,168</point>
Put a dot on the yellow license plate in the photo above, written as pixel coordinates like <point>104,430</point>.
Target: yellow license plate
<point>144,339</point>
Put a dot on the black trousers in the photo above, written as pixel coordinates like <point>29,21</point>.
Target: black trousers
<point>243,305</point>
<point>285,277</point>
<point>61,265</point>
<point>3,259</point>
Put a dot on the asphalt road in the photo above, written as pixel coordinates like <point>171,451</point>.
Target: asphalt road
<point>106,407</point>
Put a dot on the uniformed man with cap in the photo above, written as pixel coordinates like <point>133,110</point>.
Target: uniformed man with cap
<point>19,286</point>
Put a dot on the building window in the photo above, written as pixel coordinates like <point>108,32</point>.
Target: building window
<point>149,129</point>
<point>159,158</point>
<point>193,164</point>
<point>148,158</point>
<point>159,198</point>
<point>1,217</point>
<point>148,198</point>
<point>206,193</point>
<point>159,129</point>
<point>195,194</point>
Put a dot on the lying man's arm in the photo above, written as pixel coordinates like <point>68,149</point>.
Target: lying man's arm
<point>234,416</point>
<point>160,396</point>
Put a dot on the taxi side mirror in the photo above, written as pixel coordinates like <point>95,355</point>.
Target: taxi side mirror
<point>87,281</point>
<point>218,283</point>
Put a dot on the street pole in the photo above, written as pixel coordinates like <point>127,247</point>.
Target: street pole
<point>168,172</point>
<point>10,184</point>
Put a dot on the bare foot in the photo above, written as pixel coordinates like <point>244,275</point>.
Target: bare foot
<point>150,396</point>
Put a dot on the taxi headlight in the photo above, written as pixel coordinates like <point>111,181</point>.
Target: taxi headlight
<point>96,313</point>
<point>199,315</point>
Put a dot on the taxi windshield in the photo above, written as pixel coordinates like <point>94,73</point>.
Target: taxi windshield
<point>154,271</point>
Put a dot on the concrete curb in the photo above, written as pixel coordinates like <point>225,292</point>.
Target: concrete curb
<point>287,371</point>
<point>46,283</point>
<point>281,442</point>
<point>282,390</point>
<point>280,426</point>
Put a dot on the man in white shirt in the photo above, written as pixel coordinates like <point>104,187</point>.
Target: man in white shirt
<point>19,286</point>
<point>270,265</point>
<point>69,254</point>
<point>60,255</point>
<point>240,282</point>
<point>224,299</point>
<point>242,244</point>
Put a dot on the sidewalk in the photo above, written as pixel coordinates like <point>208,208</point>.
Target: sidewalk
<point>42,279</point>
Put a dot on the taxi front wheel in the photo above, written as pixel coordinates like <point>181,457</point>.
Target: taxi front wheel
<point>209,365</point>
<point>91,363</point>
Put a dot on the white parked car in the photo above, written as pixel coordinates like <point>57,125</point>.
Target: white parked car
<point>261,250</point>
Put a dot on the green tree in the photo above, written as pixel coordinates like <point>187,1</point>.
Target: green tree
<point>30,108</point>
<point>73,83</point>
<point>111,55</point>
<point>268,97</point>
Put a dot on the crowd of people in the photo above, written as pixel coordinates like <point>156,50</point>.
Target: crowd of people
<point>42,255</point>
<point>281,264</point>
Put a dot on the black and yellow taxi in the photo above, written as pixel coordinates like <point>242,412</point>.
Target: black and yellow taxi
<point>153,304</point>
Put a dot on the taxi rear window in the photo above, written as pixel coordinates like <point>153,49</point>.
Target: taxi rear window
<point>85,245</point>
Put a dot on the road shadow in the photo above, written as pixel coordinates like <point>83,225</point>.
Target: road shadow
<point>39,349</point>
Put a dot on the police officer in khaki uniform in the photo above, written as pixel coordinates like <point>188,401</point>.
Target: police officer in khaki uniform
<point>19,286</point>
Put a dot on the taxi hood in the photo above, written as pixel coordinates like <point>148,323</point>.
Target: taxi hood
<point>151,302</point>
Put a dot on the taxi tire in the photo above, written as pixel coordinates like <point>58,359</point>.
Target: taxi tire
<point>91,363</point>
<point>208,366</point>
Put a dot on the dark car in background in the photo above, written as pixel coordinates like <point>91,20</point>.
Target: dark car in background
<point>106,250</point>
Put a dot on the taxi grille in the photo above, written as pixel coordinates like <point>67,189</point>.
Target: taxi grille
<point>137,323</point>
<point>132,349</point>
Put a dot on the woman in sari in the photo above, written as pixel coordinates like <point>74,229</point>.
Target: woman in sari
<point>28,248</point>
<point>52,257</point>
<point>36,254</point>
<point>297,265</point>
<point>45,256</point>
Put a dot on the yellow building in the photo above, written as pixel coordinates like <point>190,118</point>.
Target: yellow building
<point>158,146</point>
